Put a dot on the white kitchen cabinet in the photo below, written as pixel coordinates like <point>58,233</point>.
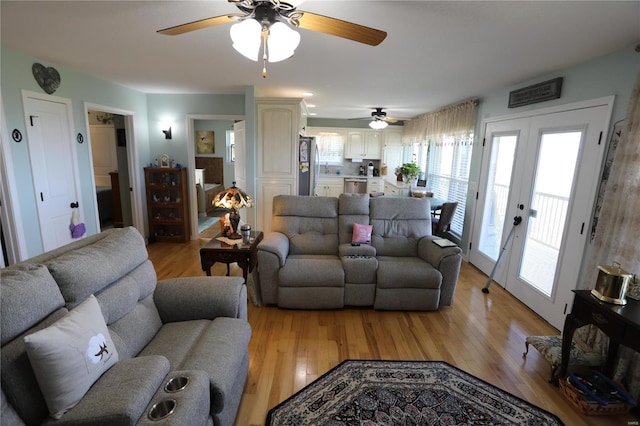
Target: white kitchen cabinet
<point>363,144</point>
<point>375,185</point>
<point>391,188</point>
<point>392,136</point>
<point>330,186</point>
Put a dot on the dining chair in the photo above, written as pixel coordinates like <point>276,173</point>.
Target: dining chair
<point>441,220</point>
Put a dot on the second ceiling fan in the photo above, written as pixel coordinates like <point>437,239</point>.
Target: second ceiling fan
<point>380,119</point>
<point>268,23</point>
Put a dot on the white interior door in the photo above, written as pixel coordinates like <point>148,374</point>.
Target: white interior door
<point>543,169</point>
<point>53,166</point>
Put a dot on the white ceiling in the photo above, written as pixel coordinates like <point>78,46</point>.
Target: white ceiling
<point>435,54</point>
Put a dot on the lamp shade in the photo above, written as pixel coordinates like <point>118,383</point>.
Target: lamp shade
<point>378,124</point>
<point>246,38</point>
<point>233,198</point>
<point>282,42</point>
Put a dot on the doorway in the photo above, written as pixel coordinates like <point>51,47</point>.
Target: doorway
<point>216,178</point>
<point>128,171</point>
<point>539,182</point>
<point>108,144</point>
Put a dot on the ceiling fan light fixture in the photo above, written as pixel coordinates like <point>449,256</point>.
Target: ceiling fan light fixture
<point>378,124</point>
<point>246,37</point>
<point>282,42</point>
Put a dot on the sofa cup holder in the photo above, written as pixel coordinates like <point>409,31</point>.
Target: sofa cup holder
<point>176,384</point>
<point>162,409</point>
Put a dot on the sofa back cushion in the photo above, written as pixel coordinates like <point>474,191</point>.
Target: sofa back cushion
<point>310,223</point>
<point>30,300</point>
<point>353,208</point>
<point>116,269</point>
<point>29,294</point>
<point>89,269</point>
<point>398,224</point>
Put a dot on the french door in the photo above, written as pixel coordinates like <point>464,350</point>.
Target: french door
<point>540,176</point>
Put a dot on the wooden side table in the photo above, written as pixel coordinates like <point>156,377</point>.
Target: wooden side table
<point>620,323</point>
<point>246,256</point>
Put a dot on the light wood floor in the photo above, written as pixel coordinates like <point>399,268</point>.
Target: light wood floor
<point>482,334</point>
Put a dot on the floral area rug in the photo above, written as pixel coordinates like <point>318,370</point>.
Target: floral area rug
<point>371,393</point>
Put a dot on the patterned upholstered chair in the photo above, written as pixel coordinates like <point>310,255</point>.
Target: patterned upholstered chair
<point>582,353</point>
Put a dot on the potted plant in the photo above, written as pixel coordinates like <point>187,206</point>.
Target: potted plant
<point>409,171</point>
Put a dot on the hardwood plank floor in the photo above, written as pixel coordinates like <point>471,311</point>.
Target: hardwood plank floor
<point>482,334</point>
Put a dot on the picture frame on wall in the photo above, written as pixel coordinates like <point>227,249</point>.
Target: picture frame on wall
<point>205,142</point>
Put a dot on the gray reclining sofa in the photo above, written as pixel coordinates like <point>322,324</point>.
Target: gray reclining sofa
<point>185,327</point>
<point>308,262</point>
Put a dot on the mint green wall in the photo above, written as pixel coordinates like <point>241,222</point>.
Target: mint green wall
<point>613,74</point>
<point>79,88</point>
<point>175,109</point>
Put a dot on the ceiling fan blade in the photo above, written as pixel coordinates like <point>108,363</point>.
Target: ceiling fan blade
<point>393,119</point>
<point>340,28</point>
<point>198,25</point>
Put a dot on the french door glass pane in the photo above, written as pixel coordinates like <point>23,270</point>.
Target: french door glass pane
<point>554,178</point>
<point>497,193</point>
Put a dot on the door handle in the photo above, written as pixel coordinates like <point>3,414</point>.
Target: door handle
<point>74,205</point>
<point>517,220</point>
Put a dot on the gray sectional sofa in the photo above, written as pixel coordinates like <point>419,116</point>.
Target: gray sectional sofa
<point>185,327</point>
<point>308,261</point>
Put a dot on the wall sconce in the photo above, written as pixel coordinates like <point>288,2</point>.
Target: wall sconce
<point>165,126</point>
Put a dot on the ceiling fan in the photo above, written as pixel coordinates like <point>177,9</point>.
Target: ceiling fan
<point>380,119</point>
<point>262,22</point>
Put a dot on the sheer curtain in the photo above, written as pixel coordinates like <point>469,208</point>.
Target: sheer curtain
<point>442,142</point>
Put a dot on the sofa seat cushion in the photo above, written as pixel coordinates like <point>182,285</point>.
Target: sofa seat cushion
<point>175,340</point>
<point>312,271</point>
<point>221,352</point>
<point>407,272</point>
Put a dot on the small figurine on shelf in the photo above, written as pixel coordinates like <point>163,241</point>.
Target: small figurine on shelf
<point>155,198</point>
<point>166,199</point>
<point>156,163</point>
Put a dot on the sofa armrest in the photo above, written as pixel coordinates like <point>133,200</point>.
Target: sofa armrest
<point>121,395</point>
<point>184,299</point>
<point>433,253</point>
<point>447,260</point>
<point>275,243</point>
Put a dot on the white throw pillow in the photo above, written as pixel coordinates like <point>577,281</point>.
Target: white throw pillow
<point>70,355</point>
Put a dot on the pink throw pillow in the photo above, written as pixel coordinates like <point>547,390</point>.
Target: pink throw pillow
<point>361,234</point>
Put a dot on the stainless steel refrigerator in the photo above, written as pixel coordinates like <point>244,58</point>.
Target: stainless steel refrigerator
<point>308,165</point>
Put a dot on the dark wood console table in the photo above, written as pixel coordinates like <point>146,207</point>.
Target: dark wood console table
<point>246,256</point>
<point>620,322</point>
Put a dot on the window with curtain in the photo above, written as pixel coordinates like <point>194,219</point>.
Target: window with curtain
<point>442,143</point>
<point>447,165</point>
<point>330,147</point>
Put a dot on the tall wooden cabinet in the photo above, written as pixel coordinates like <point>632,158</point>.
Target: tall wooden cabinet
<point>167,204</point>
<point>279,125</point>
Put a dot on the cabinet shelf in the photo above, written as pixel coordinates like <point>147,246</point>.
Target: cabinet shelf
<point>170,183</point>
